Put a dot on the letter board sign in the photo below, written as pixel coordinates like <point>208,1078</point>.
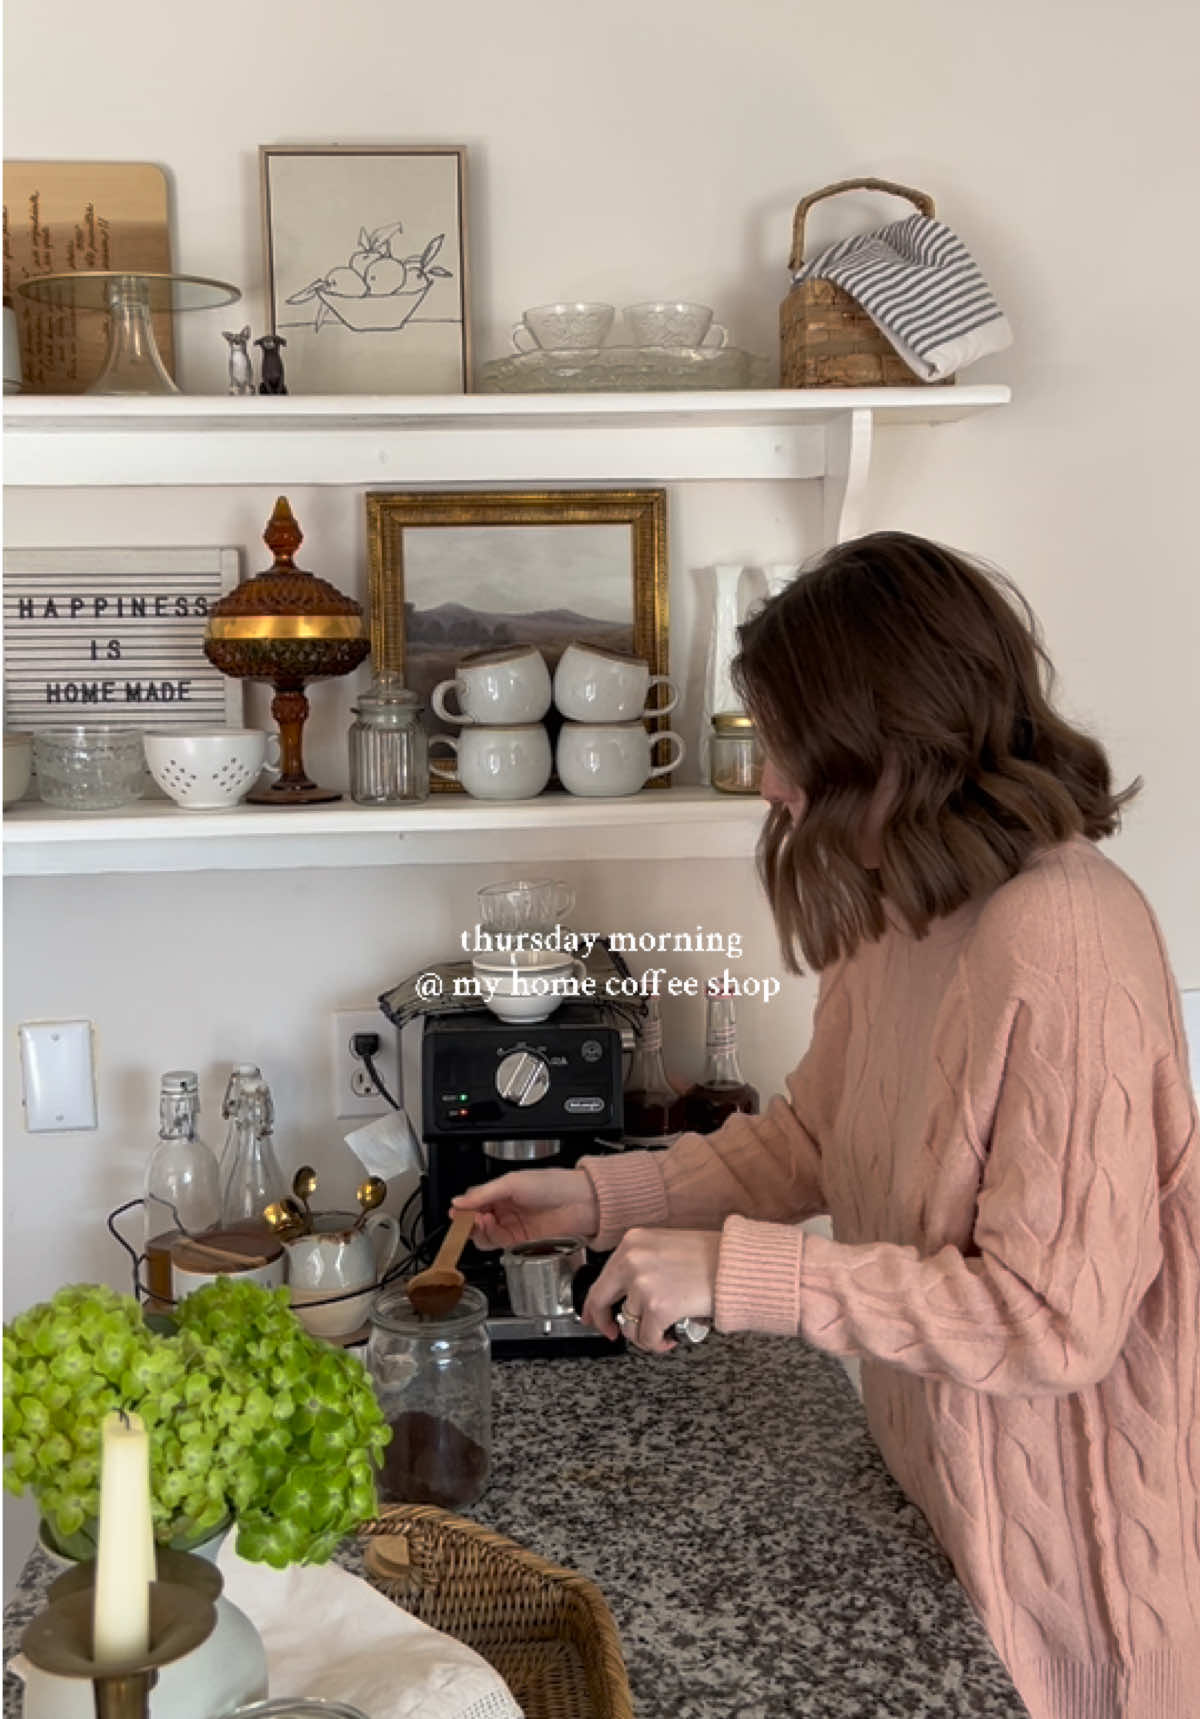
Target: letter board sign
<point>115,636</point>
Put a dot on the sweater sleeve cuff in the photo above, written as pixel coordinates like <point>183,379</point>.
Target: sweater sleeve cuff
<point>629,1192</point>
<point>758,1277</point>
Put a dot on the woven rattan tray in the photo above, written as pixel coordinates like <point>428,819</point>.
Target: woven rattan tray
<point>547,1631</point>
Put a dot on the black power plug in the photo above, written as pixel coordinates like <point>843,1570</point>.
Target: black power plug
<point>366,1047</point>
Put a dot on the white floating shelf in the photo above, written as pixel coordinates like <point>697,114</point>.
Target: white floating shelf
<point>447,829</point>
<point>60,441</point>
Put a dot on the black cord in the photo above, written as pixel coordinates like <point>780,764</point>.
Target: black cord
<point>133,1253</point>
<point>368,1058</point>
<point>410,1241</point>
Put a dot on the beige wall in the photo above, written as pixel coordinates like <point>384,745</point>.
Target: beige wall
<point>620,153</point>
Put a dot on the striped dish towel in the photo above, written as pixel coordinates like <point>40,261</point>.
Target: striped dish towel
<point>921,288</point>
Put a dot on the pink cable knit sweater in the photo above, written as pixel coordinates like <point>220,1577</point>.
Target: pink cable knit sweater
<point>998,1119</point>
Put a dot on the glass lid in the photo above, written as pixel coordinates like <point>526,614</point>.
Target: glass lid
<point>388,691</point>
<point>393,1311</point>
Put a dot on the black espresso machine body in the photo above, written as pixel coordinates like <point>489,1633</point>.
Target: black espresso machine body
<point>499,1096</point>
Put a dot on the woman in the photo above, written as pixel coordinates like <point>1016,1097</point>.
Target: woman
<point>994,1109</point>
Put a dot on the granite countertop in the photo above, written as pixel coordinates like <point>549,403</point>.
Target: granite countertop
<point>758,1559</point>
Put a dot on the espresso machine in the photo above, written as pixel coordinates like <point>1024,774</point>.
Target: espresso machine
<point>499,1096</point>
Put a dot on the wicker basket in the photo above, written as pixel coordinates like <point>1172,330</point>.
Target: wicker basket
<point>547,1631</point>
<point>827,340</point>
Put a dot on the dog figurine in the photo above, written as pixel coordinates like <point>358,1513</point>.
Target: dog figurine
<point>241,371</point>
<point>272,365</point>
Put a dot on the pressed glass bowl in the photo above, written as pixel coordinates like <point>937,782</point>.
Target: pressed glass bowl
<point>298,1707</point>
<point>90,768</point>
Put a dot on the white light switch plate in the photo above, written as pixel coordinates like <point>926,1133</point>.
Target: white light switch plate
<point>59,1083</point>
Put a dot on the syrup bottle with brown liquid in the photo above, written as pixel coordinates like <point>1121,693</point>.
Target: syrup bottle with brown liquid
<point>721,1090</point>
<point>653,1108</point>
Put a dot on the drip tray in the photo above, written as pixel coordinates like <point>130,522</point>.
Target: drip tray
<point>513,1338</point>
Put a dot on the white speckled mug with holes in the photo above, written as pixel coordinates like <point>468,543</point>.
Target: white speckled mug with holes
<point>209,769</point>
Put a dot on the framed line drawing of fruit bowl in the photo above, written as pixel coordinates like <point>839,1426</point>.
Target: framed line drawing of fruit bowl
<point>366,266</point>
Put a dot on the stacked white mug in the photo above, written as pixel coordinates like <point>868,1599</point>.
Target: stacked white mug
<point>503,752</point>
<point>603,748</point>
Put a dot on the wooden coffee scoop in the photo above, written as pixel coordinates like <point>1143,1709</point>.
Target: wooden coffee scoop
<point>435,1291</point>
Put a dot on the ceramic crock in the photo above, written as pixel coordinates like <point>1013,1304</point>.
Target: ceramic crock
<point>227,1670</point>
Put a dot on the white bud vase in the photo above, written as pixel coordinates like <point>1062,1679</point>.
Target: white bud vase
<point>224,1672</point>
<point>722,647</point>
<point>778,574</point>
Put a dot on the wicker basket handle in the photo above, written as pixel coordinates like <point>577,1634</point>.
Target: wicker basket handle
<point>923,201</point>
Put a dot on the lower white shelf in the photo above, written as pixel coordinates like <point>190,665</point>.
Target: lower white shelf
<point>447,829</point>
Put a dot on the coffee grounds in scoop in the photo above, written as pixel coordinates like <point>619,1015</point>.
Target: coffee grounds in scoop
<point>430,1461</point>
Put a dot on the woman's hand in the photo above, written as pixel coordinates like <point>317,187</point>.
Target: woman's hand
<point>529,1205</point>
<point>662,1276</point>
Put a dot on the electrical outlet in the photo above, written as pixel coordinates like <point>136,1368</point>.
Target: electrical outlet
<point>354,1092</point>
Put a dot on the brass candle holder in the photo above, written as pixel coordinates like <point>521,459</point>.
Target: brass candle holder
<point>182,1616</point>
<point>287,627</point>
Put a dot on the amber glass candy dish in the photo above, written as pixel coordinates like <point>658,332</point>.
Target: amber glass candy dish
<point>287,627</point>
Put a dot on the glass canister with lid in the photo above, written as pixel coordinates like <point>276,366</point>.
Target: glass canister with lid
<point>735,753</point>
<point>434,1383</point>
<point>389,749</point>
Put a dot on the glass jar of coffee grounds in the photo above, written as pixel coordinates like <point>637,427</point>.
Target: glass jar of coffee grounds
<point>735,755</point>
<point>434,1384</point>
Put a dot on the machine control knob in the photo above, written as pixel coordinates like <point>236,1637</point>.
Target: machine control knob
<point>523,1078</point>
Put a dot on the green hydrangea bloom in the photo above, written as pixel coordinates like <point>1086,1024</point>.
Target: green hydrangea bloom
<point>248,1417</point>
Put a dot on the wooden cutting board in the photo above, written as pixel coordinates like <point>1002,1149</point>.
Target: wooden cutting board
<point>63,215</point>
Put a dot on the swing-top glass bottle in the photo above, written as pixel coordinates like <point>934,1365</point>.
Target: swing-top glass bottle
<point>182,1188</point>
<point>251,1178</point>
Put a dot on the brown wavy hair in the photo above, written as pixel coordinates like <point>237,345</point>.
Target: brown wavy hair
<point>893,653</point>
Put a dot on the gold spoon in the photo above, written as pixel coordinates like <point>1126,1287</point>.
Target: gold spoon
<point>304,1186</point>
<point>286,1216</point>
<point>369,1194</point>
<point>285,1223</point>
<point>435,1291</point>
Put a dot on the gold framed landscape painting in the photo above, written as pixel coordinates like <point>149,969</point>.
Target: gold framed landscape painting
<point>366,266</point>
<point>452,572</point>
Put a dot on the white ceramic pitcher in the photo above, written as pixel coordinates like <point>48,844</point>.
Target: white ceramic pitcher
<point>339,1257</point>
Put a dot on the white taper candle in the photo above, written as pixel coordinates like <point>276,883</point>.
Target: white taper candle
<point>124,1570</point>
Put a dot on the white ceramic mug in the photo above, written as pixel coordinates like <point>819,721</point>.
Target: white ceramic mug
<point>208,769</point>
<point>668,324</point>
<point>337,1258</point>
<point>496,763</point>
<point>497,687</point>
<point>563,327</point>
<point>605,760</point>
<point>18,765</point>
<point>592,684</point>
